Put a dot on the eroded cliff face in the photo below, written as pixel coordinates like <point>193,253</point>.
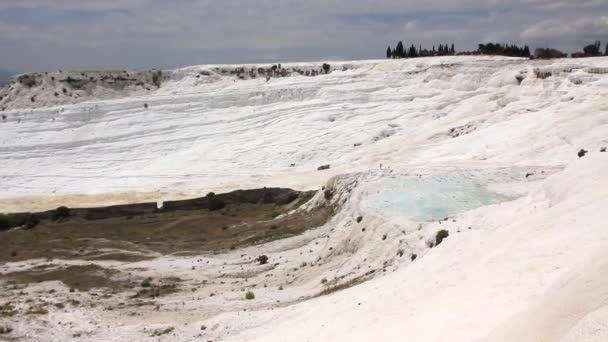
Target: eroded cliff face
<point>47,89</point>
<point>42,89</point>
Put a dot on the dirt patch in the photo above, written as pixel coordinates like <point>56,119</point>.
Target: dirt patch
<point>82,278</point>
<point>128,235</point>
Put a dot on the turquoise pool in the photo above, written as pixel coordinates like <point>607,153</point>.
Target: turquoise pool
<point>432,197</point>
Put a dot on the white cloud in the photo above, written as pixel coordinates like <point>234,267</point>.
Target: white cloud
<point>191,31</point>
<point>552,28</point>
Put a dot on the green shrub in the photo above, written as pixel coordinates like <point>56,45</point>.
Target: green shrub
<point>214,202</point>
<point>7,222</point>
<point>31,221</point>
<point>160,332</point>
<point>10,221</point>
<point>249,295</point>
<point>326,67</point>
<point>7,310</point>
<point>442,234</point>
<point>59,213</point>
<point>146,283</point>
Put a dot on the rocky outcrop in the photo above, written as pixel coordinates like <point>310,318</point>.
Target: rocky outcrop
<point>42,89</point>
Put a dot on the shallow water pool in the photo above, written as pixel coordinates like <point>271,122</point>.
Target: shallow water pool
<point>432,197</point>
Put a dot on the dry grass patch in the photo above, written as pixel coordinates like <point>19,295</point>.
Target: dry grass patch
<point>161,332</point>
<point>82,278</point>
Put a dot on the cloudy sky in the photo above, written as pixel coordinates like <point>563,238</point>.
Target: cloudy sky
<point>85,34</point>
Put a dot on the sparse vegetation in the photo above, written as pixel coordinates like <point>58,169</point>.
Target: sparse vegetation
<point>359,219</point>
<point>5,330</point>
<point>161,332</point>
<point>12,221</point>
<point>442,234</point>
<point>582,153</point>
<point>335,285</point>
<point>7,310</point>
<point>324,280</point>
<point>413,256</point>
<point>262,259</point>
<point>31,221</point>
<point>591,50</point>
<point>276,232</point>
<point>249,295</point>
<point>548,53</point>
<point>60,213</point>
<point>37,311</point>
<point>215,203</point>
<point>7,222</point>
<point>146,282</point>
<point>157,78</point>
<point>326,68</point>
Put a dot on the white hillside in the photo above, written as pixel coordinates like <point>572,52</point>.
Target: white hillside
<point>483,147</point>
<point>214,133</point>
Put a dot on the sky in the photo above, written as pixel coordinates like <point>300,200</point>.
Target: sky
<point>37,35</point>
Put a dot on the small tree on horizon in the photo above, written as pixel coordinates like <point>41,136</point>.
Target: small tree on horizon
<point>388,52</point>
<point>593,49</point>
<point>412,53</point>
<point>399,50</point>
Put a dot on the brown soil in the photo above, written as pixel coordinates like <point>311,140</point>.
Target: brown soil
<point>82,278</point>
<point>137,237</point>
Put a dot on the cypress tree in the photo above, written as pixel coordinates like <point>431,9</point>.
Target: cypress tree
<point>526,51</point>
<point>452,51</point>
<point>412,52</point>
<point>606,52</point>
<point>388,52</point>
<point>399,50</point>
